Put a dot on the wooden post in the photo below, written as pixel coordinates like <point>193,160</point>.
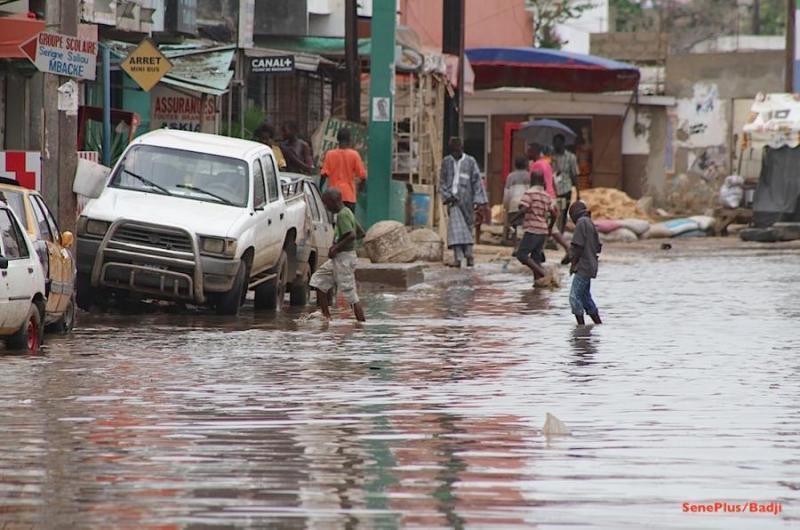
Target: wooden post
<point>60,145</point>
<point>453,22</point>
<point>791,22</point>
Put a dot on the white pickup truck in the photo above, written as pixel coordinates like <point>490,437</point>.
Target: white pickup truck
<point>197,218</point>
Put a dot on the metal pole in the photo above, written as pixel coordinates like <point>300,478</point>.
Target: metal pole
<point>382,69</point>
<point>353,63</point>
<point>791,38</point>
<point>453,44</point>
<point>106,105</point>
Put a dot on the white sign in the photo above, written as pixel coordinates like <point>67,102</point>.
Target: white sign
<point>68,98</point>
<point>23,166</point>
<point>180,111</point>
<point>381,109</point>
<point>62,55</point>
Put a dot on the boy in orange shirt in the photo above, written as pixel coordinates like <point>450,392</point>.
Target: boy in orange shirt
<point>343,167</point>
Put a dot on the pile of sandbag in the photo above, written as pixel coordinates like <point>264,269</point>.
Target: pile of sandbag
<point>628,230</point>
<point>695,226</point>
<point>609,203</point>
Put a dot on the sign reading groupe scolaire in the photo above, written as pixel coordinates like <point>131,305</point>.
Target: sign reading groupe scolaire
<point>280,64</point>
<point>146,65</point>
<point>58,54</point>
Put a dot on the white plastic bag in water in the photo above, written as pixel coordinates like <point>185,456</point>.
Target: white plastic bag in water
<point>554,427</point>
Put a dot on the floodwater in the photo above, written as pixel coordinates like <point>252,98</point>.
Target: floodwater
<point>431,414</point>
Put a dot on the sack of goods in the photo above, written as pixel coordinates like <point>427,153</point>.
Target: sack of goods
<point>731,192</point>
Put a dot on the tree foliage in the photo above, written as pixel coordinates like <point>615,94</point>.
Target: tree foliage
<point>547,14</point>
<point>692,22</point>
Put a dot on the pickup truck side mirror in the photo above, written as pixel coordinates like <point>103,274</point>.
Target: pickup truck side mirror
<point>3,263</point>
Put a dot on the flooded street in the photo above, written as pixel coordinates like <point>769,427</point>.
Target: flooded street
<point>431,414</point>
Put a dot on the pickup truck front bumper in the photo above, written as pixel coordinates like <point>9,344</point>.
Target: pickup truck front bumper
<point>158,261</point>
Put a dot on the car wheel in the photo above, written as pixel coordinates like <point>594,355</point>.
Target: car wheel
<point>298,294</point>
<point>85,292</point>
<point>67,322</point>
<point>30,335</point>
<point>230,302</point>
<point>270,295</point>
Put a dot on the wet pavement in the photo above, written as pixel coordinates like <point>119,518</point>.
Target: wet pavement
<point>430,415</point>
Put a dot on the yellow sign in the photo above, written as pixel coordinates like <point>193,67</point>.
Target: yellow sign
<point>146,65</point>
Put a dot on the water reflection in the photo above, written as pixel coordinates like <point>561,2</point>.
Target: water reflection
<point>427,416</point>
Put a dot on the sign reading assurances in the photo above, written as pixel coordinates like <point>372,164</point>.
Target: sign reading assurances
<point>180,111</point>
<point>54,53</point>
<point>146,65</point>
<point>272,65</point>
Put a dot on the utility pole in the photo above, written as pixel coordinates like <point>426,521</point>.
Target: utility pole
<point>352,60</point>
<point>381,126</point>
<point>59,156</point>
<point>453,22</point>
<point>791,43</point>
<point>756,27</point>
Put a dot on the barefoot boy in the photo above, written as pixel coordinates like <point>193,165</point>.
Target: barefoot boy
<point>340,269</point>
<point>585,248</point>
<point>535,204</point>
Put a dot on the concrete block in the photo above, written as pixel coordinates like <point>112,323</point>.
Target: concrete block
<point>402,275</point>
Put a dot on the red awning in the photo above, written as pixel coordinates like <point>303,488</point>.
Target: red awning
<point>14,30</point>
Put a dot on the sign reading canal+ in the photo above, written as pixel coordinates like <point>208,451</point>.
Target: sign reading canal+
<point>146,65</point>
<point>58,54</point>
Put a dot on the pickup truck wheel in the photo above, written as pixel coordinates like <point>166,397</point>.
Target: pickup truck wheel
<point>30,335</point>
<point>298,294</point>
<point>269,295</point>
<point>66,323</point>
<point>85,292</point>
<point>230,302</point>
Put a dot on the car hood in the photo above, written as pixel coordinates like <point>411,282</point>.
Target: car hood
<point>198,217</point>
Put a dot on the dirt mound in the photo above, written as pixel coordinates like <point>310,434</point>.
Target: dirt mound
<point>609,203</point>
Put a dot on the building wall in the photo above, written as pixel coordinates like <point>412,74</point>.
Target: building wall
<point>489,23</point>
<point>627,156</point>
<point>703,123</point>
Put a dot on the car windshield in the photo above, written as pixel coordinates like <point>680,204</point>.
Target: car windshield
<point>15,199</point>
<point>185,174</point>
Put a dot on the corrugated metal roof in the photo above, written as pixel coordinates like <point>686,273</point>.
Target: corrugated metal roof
<point>201,66</point>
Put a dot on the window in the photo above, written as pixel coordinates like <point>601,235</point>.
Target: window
<point>184,174</point>
<point>311,200</point>
<point>475,141</point>
<point>259,191</point>
<point>41,221</point>
<point>14,246</point>
<point>51,222</point>
<point>14,199</point>
<point>272,178</point>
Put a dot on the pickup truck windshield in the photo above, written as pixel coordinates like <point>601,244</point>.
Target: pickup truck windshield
<point>184,174</point>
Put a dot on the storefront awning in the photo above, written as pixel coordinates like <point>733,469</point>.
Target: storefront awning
<point>198,66</point>
<point>552,70</point>
<point>14,30</point>
<point>409,60</point>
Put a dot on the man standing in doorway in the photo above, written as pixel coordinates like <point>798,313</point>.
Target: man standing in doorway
<point>462,191</point>
<point>565,166</point>
<point>344,169</point>
<point>297,152</point>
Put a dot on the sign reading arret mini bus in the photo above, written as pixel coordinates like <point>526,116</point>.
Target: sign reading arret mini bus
<point>54,53</point>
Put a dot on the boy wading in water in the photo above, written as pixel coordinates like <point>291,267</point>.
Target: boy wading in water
<point>585,248</point>
<point>536,204</point>
<point>340,269</point>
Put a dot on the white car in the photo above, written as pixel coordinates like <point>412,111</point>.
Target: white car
<point>22,300</point>
<point>193,217</point>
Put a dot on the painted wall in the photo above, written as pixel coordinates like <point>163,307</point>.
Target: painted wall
<point>489,23</point>
<point>703,125</point>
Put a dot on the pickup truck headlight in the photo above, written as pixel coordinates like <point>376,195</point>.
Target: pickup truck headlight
<point>92,227</point>
<point>218,246</point>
